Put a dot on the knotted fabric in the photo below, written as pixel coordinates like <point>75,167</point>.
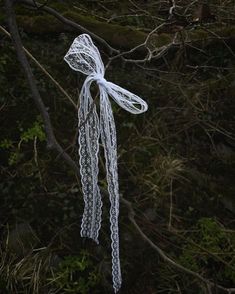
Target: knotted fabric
<point>83,56</point>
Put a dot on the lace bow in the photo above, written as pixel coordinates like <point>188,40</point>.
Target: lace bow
<point>84,56</point>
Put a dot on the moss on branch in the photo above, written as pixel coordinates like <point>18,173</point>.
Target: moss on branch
<point>118,36</point>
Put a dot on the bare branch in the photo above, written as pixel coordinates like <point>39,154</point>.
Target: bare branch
<point>144,44</point>
<point>172,8</point>
<point>41,5</point>
<point>70,23</point>
<point>62,90</point>
<point>51,140</point>
<point>208,283</point>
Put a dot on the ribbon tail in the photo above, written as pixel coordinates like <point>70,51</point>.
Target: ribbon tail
<point>108,137</point>
<point>88,140</point>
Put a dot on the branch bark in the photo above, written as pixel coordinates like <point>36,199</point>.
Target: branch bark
<point>51,140</point>
<point>121,36</point>
<point>209,285</point>
<point>66,21</point>
<point>42,68</point>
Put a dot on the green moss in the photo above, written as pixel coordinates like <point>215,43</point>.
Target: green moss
<point>118,36</point>
<point>115,34</point>
<point>40,24</point>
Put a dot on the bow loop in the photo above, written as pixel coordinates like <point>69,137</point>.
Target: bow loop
<point>84,56</point>
<point>127,100</point>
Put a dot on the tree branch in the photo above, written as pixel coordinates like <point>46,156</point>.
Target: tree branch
<point>62,90</point>
<point>51,140</point>
<point>208,283</point>
<point>70,23</point>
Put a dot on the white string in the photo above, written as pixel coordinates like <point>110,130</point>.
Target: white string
<point>84,56</point>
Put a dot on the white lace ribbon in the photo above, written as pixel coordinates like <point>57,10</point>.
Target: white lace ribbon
<point>84,56</point>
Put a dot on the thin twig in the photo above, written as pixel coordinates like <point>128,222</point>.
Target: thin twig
<point>171,206</point>
<point>144,44</point>
<point>62,90</point>
<point>208,284</point>
<point>41,5</point>
<point>71,23</point>
<point>172,8</point>
<point>220,38</point>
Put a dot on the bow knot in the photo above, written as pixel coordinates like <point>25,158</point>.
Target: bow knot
<point>100,80</point>
<point>84,56</point>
